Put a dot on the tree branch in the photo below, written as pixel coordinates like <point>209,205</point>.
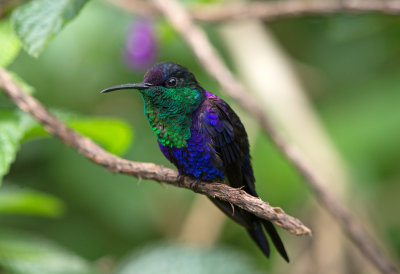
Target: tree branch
<point>270,10</point>
<point>99,156</point>
<point>213,63</point>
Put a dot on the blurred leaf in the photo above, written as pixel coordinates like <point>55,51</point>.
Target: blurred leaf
<point>22,253</point>
<point>37,22</point>
<point>114,135</point>
<point>9,43</point>
<point>29,202</point>
<point>169,258</point>
<point>367,125</point>
<point>13,125</point>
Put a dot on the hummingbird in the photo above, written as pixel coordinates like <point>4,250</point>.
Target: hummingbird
<point>204,138</point>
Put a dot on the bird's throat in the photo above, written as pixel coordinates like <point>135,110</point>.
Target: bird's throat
<point>171,131</point>
<point>170,112</point>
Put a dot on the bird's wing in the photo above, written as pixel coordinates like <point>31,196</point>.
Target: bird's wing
<point>229,140</point>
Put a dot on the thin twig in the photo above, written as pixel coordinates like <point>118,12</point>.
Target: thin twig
<point>270,10</point>
<point>96,154</point>
<point>213,63</point>
<point>141,7</point>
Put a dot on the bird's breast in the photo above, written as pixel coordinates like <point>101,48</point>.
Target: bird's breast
<point>197,159</point>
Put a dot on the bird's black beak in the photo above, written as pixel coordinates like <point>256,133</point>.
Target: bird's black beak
<point>138,86</point>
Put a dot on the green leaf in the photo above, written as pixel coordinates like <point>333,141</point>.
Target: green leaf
<point>29,202</point>
<point>13,124</point>
<point>21,253</point>
<point>114,135</point>
<point>17,126</point>
<point>172,258</point>
<point>9,43</point>
<point>37,22</point>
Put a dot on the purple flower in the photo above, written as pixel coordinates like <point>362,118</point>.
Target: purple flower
<point>141,45</point>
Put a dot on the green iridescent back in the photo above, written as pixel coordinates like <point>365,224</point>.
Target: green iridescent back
<point>169,110</point>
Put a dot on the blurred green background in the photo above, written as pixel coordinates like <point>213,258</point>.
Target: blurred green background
<point>102,217</point>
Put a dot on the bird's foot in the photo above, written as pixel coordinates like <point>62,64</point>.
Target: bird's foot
<point>194,185</point>
<point>181,180</point>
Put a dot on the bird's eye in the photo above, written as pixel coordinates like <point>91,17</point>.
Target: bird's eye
<point>171,82</point>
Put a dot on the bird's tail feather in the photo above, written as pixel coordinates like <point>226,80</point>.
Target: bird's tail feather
<point>257,234</point>
<point>254,227</point>
<point>248,179</point>
<point>276,240</point>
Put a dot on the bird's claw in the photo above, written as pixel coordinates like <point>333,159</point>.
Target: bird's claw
<point>181,180</point>
<point>194,185</point>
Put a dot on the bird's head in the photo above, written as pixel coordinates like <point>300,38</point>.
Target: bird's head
<point>171,94</point>
<point>167,85</point>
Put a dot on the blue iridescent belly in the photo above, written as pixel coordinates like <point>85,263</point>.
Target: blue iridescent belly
<point>197,159</point>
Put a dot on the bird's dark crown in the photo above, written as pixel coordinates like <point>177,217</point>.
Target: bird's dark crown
<point>161,72</point>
